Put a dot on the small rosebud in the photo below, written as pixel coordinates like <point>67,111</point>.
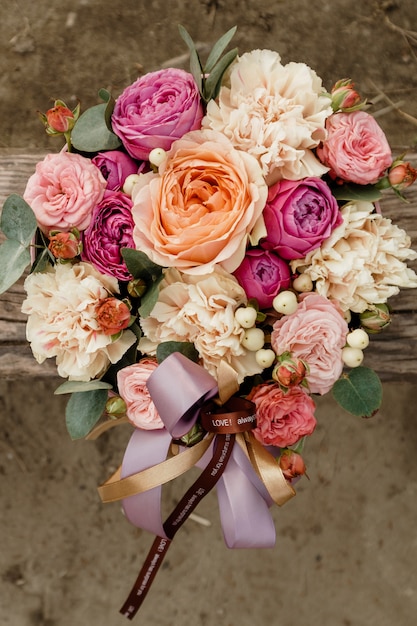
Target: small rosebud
<point>292,464</point>
<point>345,97</point>
<point>289,371</point>
<point>64,245</point>
<point>116,407</point>
<point>136,287</point>
<point>374,319</point>
<point>112,315</point>
<point>401,175</point>
<point>265,357</point>
<point>285,302</point>
<point>157,156</point>
<point>352,357</point>
<point>303,283</point>
<point>60,120</point>
<point>358,338</point>
<point>253,339</point>
<point>246,316</point>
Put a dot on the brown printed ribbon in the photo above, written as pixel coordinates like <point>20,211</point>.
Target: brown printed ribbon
<point>237,415</point>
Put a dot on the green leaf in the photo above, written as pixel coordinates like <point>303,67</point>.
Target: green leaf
<point>186,37</point>
<point>14,259</point>
<point>365,193</point>
<point>104,95</point>
<point>218,49</point>
<point>83,411</point>
<point>72,386</point>
<point>196,69</point>
<point>91,133</point>
<point>43,259</point>
<point>213,81</point>
<point>359,392</point>
<point>140,265</point>
<point>18,221</point>
<point>150,298</point>
<point>186,348</point>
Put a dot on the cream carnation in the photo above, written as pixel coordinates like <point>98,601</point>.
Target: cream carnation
<point>61,304</point>
<point>363,260</point>
<point>201,309</point>
<point>275,112</point>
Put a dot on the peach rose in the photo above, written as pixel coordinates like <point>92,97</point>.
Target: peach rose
<point>63,191</point>
<point>282,418</point>
<point>131,381</point>
<point>316,334</point>
<point>201,207</point>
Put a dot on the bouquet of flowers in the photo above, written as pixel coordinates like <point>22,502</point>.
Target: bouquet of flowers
<point>207,254</point>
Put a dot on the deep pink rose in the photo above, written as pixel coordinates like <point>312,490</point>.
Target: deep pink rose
<point>298,216</point>
<point>316,334</point>
<point>282,418</point>
<point>262,274</point>
<point>356,149</point>
<point>115,166</point>
<point>63,191</point>
<point>110,230</point>
<point>131,381</point>
<point>157,109</point>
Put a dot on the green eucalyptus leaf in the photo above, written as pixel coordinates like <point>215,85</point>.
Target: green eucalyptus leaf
<point>186,37</point>
<point>72,386</point>
<point>83,411</point>
<point>150,298</point>
<point>213,81</point>
<point>196,69</point>
<point>14,259</point>
<point>186,348</point>
<point>359,392</point>
<point>43,259</point>
<point>91,133</point>
<point>18,221</point>
<point>364,193</point>
<point>104,95</point>
<point>140,265</point>
<point>218,49</point>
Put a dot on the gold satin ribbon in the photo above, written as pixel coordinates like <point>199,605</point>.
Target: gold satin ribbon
<point>104,426</point>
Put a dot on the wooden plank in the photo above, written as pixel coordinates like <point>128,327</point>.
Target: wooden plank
<point>392,353</point>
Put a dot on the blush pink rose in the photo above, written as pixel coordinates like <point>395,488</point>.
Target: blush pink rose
<point>63,191</point>
<point>263,274</point>
<point>356,149</point>
<point>282,418</point>
<point>131,382</point>
<point>298,216</point>
<point>316,334</point>
<point>155,110</point>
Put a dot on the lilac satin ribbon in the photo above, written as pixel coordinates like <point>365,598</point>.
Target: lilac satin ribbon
<point>178,388</point>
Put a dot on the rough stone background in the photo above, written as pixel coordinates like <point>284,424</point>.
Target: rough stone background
<point>347,544</point>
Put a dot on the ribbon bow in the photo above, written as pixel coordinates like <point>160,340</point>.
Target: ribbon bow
<point>247,477</point>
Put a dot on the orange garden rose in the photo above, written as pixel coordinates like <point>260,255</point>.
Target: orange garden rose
<point>201,207</point>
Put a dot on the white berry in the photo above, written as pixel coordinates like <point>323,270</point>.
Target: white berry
<point>246,316</point>
<point>303,283</point>
<point>157,156</point>
<point>352,357</point>
<point>265,357</point>
<point>129,183</point>
<point>358,338</point>
<point>285,302</point>
<point>253,339</point>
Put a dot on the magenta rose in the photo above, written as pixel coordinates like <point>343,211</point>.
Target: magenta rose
<point>282,418</point>
<point>110,230</point>
<point>298,216</point>
<point>131,381</point>
<point>263,274</point>
<point>356,149</point>
<point>157,109</point>
<point>115,166</point>
<point>63,191</point>
<point>316,334</point>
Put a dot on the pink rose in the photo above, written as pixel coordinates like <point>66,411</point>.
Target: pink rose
<point>298,216</point>
<point>282,418</point>
<point>316,334</point>
<point>131,381</point>
<point>262,274</point>
<point>157,109</point>
<point>356,149</point>
<point>110,230</point>
<point>115,166</point>
<point>63,191</point>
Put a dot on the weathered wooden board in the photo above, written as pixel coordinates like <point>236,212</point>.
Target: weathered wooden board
<point>393,353</point>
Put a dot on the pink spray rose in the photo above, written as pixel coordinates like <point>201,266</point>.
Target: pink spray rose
<point>131,381</point>
<point>115,166</point>
<point>110,230</point>
<point>356,149</point>
<point>263,274</point>
<point>63,191</point>
<point>282,418</point>
<point>298,216</point>
<point>316,334</point>
<point>155,110</point>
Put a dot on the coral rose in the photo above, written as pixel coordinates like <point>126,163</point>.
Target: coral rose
<point>63,191</point>
<point>282,418</point>
<point>316,334</point>
<point>356,149</point>
<point>131,381</point>
<point>201,207</point>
